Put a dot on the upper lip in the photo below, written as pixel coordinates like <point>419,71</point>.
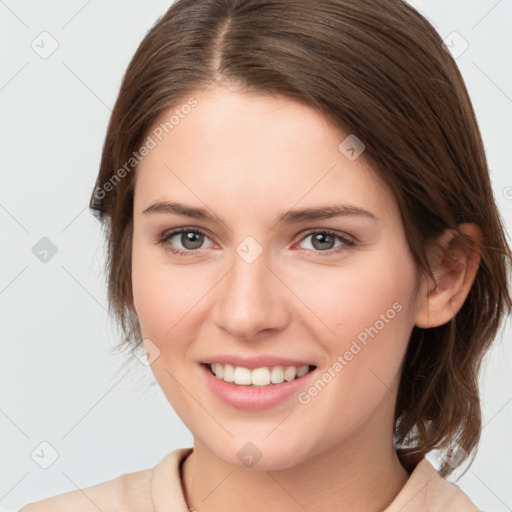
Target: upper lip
<point>256,361</point>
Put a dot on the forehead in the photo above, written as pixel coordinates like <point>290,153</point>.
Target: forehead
<point>246,150</point>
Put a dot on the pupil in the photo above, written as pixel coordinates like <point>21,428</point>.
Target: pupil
<point>323,241</point>
<point>192,240</point>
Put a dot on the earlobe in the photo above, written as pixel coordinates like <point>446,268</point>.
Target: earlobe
<point>454,271</point>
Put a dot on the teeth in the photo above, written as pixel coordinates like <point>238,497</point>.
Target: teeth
<point>302,370</point>
<point>290,373</point>
<point>242,376</point>
<point>277,375</point>
<point>259,376</point>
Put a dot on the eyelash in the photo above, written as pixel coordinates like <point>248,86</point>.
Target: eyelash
<point>347,243</point>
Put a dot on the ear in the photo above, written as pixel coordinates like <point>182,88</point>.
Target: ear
<point>454,274</point>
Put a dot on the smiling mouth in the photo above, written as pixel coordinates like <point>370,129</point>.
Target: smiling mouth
<point>266,376</point>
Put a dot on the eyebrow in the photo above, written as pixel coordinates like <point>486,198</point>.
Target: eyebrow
<point>288,217</point>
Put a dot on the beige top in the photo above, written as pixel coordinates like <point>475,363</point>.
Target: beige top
<point>159,489</point>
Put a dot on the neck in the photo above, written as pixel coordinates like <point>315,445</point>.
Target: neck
<point>361,474</point>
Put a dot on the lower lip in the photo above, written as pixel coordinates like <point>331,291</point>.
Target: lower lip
<point>251,398</point>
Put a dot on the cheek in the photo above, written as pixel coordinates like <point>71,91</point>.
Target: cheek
<point>148,293</point>
<point>164,306</point>
<point>369,309</point>
<point>348,299</point>
<point>367,304</point>
<point>163,293</point>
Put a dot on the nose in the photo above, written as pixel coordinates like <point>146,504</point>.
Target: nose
<point>251,300</point>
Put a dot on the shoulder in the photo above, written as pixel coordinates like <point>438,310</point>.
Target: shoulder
<point>427,490</point>
<point>128,492</point>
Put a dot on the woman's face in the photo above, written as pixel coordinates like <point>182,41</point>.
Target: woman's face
<point>257,279</point>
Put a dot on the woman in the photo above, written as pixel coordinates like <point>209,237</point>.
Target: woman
<point>303,239</point>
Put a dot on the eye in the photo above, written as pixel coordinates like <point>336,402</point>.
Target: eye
<point>327,242</point>
<point>322,242</point>
<point>189,238</point>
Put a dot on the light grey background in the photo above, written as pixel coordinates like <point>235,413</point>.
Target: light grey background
<point>59,382</point>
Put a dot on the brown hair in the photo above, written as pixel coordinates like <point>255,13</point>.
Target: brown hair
<point>373,68</point>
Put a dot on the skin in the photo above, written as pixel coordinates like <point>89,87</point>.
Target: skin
<point>247,158</point>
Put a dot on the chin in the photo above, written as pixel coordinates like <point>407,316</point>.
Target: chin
<point>259,456</point>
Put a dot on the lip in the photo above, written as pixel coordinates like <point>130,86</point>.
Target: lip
<point>256,362</point>
<point>251,398</point>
